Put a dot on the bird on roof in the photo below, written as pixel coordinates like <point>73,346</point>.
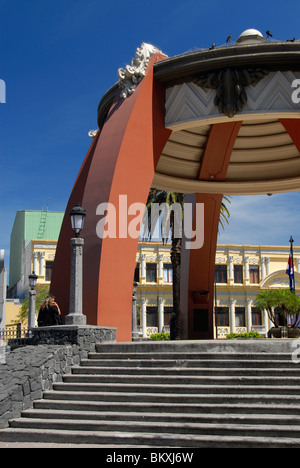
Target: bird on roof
<point>291,40</point>
<point>213,46</point>
<point>228,38</point>
<point>269,34</point>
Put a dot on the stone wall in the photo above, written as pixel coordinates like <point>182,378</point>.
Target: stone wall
<point>51,352</point>
<point>85,336</point>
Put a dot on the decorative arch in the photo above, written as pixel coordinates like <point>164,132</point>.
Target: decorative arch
<point>176,126</point>
<point>121,161</point>
<point>279,279</point>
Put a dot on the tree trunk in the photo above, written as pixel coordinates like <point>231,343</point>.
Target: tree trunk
<point>271,316</point>
<point>176,264</point>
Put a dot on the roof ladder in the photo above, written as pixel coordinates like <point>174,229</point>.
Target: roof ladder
<point>42,226</point>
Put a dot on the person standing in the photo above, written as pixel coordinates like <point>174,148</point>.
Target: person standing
<point>49,313</point>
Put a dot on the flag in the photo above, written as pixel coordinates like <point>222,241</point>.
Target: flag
<point>290,270</point>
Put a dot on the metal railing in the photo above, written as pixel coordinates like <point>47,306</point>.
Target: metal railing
<point>17,332</point>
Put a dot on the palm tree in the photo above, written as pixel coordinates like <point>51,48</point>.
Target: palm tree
<point>161,197</point>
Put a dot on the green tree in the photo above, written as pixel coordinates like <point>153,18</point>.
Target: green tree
<point>278,300</point>
<point>41,293</point>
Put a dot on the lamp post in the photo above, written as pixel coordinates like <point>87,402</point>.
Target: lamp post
<point>75,316</point>
<point>134,324</point>
<point>290,270</point>
<point>32,296</point>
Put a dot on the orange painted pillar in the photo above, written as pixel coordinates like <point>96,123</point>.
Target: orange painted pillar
<point>200,297</point>
<point>292,126</point>
<point>121,161</point>
<point>202,271</point>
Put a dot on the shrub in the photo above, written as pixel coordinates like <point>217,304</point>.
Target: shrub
<point>232,336</point>
<point>160,337</point>
<point>41,293</point>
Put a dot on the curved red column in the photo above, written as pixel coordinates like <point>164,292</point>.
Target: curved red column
<point>202,271</point>
<point>200,299</point>
<point>292,126</point>
<point>121,161</point>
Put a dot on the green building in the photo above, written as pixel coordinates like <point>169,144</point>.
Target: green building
<point>29,225</point>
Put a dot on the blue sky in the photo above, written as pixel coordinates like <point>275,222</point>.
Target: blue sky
<point>58,58</point>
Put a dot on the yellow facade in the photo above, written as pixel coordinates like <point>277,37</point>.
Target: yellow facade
<point>154,292</point>
<point>39,257</point>
<point>11,330</point>
<point>241,272</point>
<point>42,254</point>
<point>12,310</point>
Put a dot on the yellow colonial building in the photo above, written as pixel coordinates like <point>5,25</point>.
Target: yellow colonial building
<point>42,254</point>
<point>241,271</point>
<point>154,276</point>
<point>38,257</point>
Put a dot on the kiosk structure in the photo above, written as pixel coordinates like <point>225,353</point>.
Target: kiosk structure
<point>208,123</point>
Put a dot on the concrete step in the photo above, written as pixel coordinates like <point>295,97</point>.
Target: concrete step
<point>186,389</point>
<point>131,439</point>
<point>213,418</point>
<point>279,347</point>
<point>171,382</point>
<point>172,395</point>
<point>192,363</point>
<point>180,428</point>
<point>183,371</point>
<point>195,356</point>
<point>255,408</point>
<point>176,359</point>
<point>175,399</point>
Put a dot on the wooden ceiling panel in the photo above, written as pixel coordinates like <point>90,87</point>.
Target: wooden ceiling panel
<point>263,151</point>
<point>264,154</point>
<point>180,151</point>
<point>178,167</point>
<point>264,171</point>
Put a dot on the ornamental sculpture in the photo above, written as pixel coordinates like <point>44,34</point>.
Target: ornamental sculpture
<point>230,84</point>
<point>131,75</point>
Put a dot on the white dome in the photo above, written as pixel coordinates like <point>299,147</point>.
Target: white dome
<point>251,32</point>
<point>251,36</point>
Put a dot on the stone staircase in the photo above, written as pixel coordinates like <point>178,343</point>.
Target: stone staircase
<point>183,394</point>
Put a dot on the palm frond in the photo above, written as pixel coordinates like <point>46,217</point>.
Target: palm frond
<point>224,213</point>
<point>161,198</point>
